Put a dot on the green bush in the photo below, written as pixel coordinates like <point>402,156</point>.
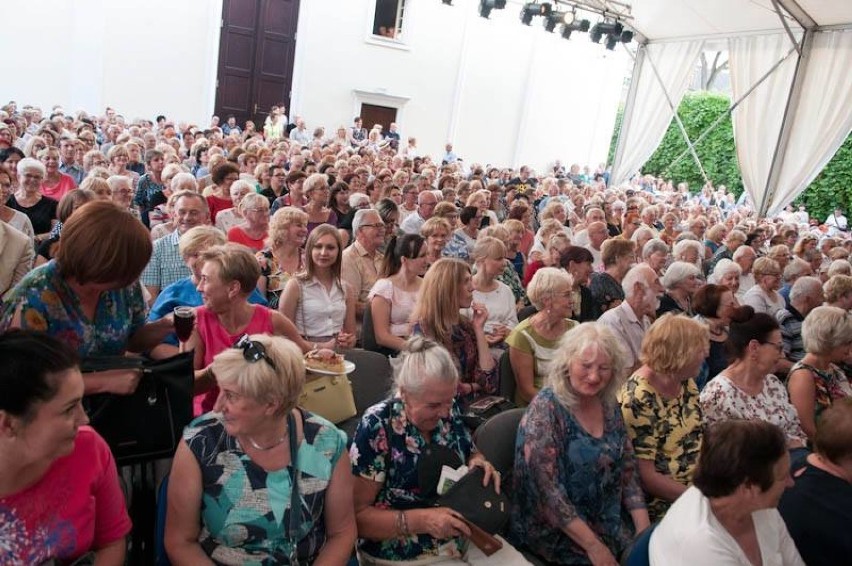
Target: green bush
<point>698,110</point>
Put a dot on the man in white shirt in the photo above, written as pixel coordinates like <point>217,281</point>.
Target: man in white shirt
<point>426,202</point>
<point>632,318</point>
<point>836,222</point>
<point>744,257</point>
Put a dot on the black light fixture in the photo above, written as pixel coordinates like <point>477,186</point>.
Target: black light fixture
<point>582,25</point>
<point>601,29</point>
<point>485,6</point>
<point>558,18</point>
<point>533,9</point>
<point>447,2</point>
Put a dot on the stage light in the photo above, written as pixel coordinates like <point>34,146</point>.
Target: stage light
<point>532,9</point>
<point>582,25</point>
<point>605,28</point>
<point>556,18</point>
<point>447,2</point>
<point>626,36</point>
<point>485,6</point>
<point>611,40</point>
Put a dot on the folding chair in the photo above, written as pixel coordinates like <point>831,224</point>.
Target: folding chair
<point>371,383</point>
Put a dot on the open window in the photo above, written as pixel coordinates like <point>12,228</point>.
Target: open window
<point>388,19</point>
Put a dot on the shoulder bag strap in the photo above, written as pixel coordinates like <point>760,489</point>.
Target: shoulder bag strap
<point>295,499</point>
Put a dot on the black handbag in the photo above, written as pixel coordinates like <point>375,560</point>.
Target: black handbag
<point>483,409</point>
<point>148,424</point>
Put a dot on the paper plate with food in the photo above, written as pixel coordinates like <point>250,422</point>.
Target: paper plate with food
<point>327,362</point>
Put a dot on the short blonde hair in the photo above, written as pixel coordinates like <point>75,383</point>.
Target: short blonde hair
<point>598,338</point>
<point>826,328</point>
<point>433,225</point>
<point>545,283</point>
<point>497,231</point>
<point>764,266</point>
<point>671,341</point>
<point>200,238</point>
<point>487,247</point>
<point>259,380</point>
<point>839,267</point>
<point>514,226</point>
<point>281,222</point>
<point>837,287</point>
<point>236,263</point>
<point>254,200</point>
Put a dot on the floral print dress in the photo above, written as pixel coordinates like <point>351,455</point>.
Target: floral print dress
<point>829,385</point>
<point>386,449</point>
<point>664,431</point>
<point>563,473</point>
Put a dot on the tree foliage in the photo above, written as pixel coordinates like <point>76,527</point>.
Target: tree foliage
<point>697,111</point>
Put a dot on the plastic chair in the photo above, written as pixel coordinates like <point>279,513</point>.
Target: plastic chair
<point>637,554</point>
<point>160,556</point>
<point>496,439</point>
<point>507,377</point>
<point>371,382</point>
<point>526,312</point>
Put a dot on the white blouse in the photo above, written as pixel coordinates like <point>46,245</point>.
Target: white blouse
<point>320,312</point>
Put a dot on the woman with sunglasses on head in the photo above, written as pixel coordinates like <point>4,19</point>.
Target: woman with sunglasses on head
<point>228,277</point>
<point>260,481</point>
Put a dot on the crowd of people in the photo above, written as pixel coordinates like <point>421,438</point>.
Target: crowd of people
<point>685,366</point>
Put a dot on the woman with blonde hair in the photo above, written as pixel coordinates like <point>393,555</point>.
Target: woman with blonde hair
<point>659,404</point>
<point>282,258</point>
<point>549,227</point>
<point>316,191</point>
<point>555,245</point>
<point>316,299</point>
<point>447,288</point>
<point>254,208</point>
<point>437,233</point>
<point>55,184</point>
<point>533,344</point>
<point>838,292</point>
<point>577,497</point>
<point>764,296</point>
<point>489,261</point>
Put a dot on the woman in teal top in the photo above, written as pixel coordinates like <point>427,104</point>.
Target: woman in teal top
<point>232,480</point>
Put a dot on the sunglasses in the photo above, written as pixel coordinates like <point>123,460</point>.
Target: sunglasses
<point>253,351</point>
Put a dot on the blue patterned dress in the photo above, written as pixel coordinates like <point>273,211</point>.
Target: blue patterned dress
<point>49,305</point>
<point>563,473</point>
<point>386,450</point>
<point>245,510</point>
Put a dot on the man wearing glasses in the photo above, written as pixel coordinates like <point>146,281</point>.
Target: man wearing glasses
<point>362,260</point>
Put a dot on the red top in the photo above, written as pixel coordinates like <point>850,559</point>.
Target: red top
<point>218,204</point>
<point>65,185</point>
<point>239,236</point>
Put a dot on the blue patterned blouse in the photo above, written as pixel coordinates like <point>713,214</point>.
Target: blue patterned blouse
<point>386,450</point>
<point>245,510</point>
<point>563,473</point>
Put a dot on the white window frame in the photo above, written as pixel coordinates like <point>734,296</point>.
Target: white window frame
<point>404,21</point>
<point>380,97</point>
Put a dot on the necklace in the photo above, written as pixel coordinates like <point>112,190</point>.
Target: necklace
<point>278,442</point>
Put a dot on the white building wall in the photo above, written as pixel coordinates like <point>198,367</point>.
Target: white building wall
<point>143,57</point>
<point>502,92</point>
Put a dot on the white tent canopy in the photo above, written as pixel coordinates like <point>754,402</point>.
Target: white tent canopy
<point>790,63</point>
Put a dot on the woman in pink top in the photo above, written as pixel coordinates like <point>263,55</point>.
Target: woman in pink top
<point>59,491</point>
<point>55,184</point>
<point>219,197</point>
<point>229,274</point>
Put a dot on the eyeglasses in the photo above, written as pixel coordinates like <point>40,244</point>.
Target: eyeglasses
<point>253,351</point>
<point>376,225</point>
<point>778,345</point>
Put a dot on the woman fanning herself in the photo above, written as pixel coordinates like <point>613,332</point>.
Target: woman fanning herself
<point>729,516</point>
<point>232,481</point>
<point>447,288</point>
<point>576,497</point>
<point>316,299</point>
<point>59,491</point>
<point>660,407</point>
<point>392,298</point>
<point>534,343</point>
<point>228,277</point>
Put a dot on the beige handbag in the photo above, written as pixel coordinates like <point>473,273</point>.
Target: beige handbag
<point>329,396</point>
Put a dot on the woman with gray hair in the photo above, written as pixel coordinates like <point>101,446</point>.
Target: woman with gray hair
<point>688,251</point>
<point>575,479</point>
<point>396,521</point>
<point>41,210</point>
<point>727,273</point>
<point>680,281</point>
<point>655,252</point>
<point>236,471</point>
<point>815,382</point>
<point>764,296</point>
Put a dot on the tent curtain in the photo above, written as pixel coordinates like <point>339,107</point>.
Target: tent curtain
<point>651,113</point>
<point>822,121</point>
<point>757,120</point>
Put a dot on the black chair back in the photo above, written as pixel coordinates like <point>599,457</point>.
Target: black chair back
<point>368,335</point>
<point>371,383</point>
<point>507,377</point>
<point>496,439</point>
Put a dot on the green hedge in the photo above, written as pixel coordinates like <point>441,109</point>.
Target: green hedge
<point>700,109</point>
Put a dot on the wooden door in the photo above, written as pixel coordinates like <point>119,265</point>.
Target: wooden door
<point>256,54</point>
<point>372,114</point>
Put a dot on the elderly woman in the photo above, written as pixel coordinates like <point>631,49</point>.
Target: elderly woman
<point>394,296</point>
<point>228,275</point>
<point>463,239</point>
<point>669,233</point>
<point>818,507</point>
<point>733,241</point>
<point>274,454</point>
<point>534,343</point>
<point>437,233</point>
<point>554,247</point>
<point>89,296</point>
<point>316,191</point>
<point>659,404</point>
<point>838,292</point>
<point>252,233</point>
<point>713,238</point>
<point>55,184</point>
<point>122,193</point>
<point>546,230</point>
<point>815,382</point>
<point>729,516</point>
<point>728,273</point>
<point>764,296</point>
<point>396,521</point>
<point>618,256</point>
<point>577,262</point>
<point>316,299</point>
<point>715,306</point>
<point>219,195</point>
<point>688,251</point>
<point>781,254</point>
<point>747,389</point>
<point>39,209</point>
<point>447,288</point>
<point>59,489</point>
<point>575,482</point>
<point>655,253</point>
<point>119,159</point>
<point>680,281</point>
<point>14,218</point>
<point>230,217</point>
<point>282,258</point>
<point>489,261</point>
<point>69,203</point>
